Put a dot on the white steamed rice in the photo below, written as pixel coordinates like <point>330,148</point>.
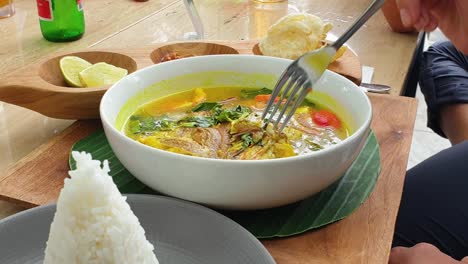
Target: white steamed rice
<point>93,222</point>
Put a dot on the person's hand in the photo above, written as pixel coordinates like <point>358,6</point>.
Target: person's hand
<point>451,16</point>
<point>421,253</point>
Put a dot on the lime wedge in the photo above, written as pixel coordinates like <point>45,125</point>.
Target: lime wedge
<point>101,74</point>
<point>70,66</point>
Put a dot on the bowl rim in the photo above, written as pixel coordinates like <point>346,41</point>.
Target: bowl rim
<point>106,123</point>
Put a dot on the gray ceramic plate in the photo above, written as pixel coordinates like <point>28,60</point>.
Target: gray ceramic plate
<point>182,233</point>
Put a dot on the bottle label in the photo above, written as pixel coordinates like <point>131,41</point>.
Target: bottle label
<point>80,5</point>
<point>44,8</point>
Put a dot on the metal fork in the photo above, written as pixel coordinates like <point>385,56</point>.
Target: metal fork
<point>297,80</point>
<point>196,21</point>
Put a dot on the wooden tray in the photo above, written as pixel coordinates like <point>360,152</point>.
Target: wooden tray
<point>41,87</point>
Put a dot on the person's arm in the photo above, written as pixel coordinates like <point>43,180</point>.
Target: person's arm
<point>422,253</point>
<point>451,16</point>
<point>454,122</point>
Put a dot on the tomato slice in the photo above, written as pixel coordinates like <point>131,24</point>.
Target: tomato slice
<point>262,98</point>
<point>265,98</point>
<point>325,118</point>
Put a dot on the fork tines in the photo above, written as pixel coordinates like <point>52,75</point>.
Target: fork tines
<point>288,94</point>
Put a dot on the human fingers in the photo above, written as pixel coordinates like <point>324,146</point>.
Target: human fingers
<point>399,255</point>
<point>410,11</point>
<point>431,25</point>
<point>418,254</point>
<point>423,20</point>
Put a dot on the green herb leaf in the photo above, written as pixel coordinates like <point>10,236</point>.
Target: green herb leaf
<point>206,106</point>
<point>165,124</point>
<point>134,117</point>
<point>134,124</point>
<point>247,140</point>
<point>313,145</point>
<point>307,102</point>
<point>197,121</point>
<point>251,93</point>
<point>228,115</point>
<point>138,124</point>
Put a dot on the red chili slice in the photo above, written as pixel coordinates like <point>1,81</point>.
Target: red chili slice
<point>325,118</point>
<point>266,97</point>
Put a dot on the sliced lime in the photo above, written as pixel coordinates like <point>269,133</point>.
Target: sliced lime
<point>70,66</point>
<point>101,74</point>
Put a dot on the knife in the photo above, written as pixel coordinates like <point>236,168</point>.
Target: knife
<point>375,88</point>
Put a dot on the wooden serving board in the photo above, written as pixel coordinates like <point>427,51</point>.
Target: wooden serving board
<point>42,88</point>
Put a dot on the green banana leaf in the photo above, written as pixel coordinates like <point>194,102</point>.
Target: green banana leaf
<point>332,204</point>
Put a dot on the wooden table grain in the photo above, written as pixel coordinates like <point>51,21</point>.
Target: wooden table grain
<point>365,236</point>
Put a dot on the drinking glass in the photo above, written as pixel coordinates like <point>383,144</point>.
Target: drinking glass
<point>262,16</point>
<point>6,8</point>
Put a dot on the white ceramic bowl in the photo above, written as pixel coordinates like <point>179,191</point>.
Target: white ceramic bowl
<point>232,184</point>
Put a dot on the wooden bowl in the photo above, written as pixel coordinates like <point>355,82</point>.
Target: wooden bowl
<point>50,72</point>
<point>256,50</point>
<point>347,65</point>
<point>42,88</point>
<point>189,49</point>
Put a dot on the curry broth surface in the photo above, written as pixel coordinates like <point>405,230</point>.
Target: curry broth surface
<point>301,136</point>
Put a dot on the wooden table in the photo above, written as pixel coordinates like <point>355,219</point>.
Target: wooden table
<point>365,236</point>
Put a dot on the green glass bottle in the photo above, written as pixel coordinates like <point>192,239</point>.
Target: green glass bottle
<point>61,20</point>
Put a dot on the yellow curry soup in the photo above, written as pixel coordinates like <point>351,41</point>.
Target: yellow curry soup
<point>224,123</point>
